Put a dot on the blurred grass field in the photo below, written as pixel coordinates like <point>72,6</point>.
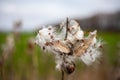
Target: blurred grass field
<point>21,63</point>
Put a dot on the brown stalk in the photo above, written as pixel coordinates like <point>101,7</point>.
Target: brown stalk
<point>62,75</point>
<point>67,22</point>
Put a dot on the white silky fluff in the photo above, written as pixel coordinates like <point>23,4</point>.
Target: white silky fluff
<point>43,36</point>
<point>60,61</point>
<point>62,29</point>
<point>89,58</point>
<point>93,52</point>
<point>75,33</point>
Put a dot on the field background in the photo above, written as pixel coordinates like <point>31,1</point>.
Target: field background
<point>26,63</point>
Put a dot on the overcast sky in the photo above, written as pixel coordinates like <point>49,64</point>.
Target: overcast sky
<point>40,12</point>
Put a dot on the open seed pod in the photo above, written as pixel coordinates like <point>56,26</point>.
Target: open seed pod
<point>69,67</point>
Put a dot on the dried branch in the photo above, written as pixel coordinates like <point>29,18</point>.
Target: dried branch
<point>62,75</point>
<point>67,22</point>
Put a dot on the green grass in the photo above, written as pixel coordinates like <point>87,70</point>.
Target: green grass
<point>111,42</point>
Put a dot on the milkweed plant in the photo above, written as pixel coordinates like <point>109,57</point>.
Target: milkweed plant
<point>68,43</point>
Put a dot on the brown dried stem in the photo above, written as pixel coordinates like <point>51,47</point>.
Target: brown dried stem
<point>62,75</point>
<point>67,22</point>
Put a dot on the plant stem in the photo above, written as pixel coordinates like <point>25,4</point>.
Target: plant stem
<point>67,22</point>
<point>62,75</point>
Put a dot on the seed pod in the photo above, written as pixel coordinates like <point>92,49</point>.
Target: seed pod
<point>69,67</point>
